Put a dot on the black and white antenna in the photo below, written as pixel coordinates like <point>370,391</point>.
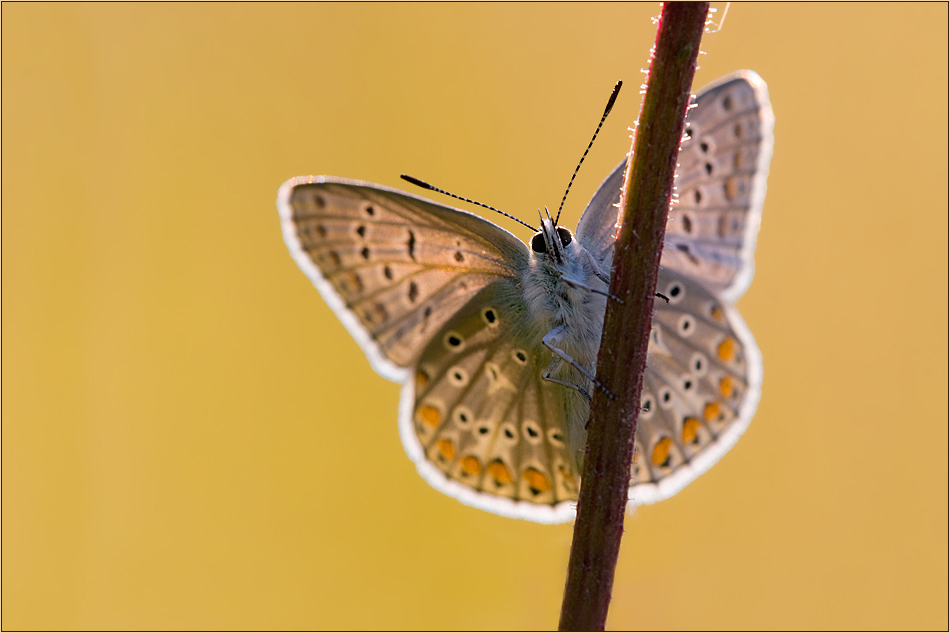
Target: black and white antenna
<point>425,185</point>
<point>610,104</point>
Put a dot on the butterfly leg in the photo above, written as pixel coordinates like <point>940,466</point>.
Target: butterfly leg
<point>569,385</point>
<point>549,339</point>
<point>599,271</point>
<point>582,286</point>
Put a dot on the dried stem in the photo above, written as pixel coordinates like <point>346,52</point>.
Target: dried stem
<point>645,201</point>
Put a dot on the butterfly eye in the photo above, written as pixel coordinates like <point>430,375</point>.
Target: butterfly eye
<point>564,235</point>
<point>538,245</point>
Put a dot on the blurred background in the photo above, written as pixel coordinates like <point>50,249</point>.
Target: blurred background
<point>190,438</point>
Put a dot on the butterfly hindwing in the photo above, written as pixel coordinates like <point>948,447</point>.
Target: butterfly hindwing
<point>393,267</point>
<point>480,422</point>
<point>701,387</point>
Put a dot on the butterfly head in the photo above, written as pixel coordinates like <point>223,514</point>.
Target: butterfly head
<point>551,243</point>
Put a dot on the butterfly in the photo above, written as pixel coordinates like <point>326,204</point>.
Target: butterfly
<point>495,341</point>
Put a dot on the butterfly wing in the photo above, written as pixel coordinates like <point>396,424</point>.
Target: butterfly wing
<point>433,296</point>
<point>394,267</point>
<point>720,180</point>
<point>700,389</point>
<point>704,371</point>
<point>478,420</point>
<point>484,427</point>
<point>597,228</point>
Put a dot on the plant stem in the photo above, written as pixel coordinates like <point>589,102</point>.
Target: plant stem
<point>645,203</point>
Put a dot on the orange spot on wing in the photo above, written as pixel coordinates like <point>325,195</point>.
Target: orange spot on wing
<point>499,472</point>
<point>726,349</point>
<point>447,448</point>
<point>711,411</point>
<point>471,465</point>
<point>690,430</point>
<point>661,452</point>
<point>429,415</point>
<point>717,314</point>
<point>537,481</point>
<point>726,387</point>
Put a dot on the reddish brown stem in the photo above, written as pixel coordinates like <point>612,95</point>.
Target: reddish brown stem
<point>623,350</point>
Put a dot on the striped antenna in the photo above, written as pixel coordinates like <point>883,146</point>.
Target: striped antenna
<point>425,185</point>
<point>610,104</point>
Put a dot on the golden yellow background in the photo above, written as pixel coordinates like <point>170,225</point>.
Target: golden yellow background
<point>192,440</point>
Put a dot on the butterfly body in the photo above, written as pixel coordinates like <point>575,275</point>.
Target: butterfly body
<point>565,290</point>
<point>495,341</point>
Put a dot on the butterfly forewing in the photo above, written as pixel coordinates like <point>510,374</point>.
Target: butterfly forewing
<point>721,178</point>
<point>394,267</point>
<point>720,182</point>
<point>597,227</point>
